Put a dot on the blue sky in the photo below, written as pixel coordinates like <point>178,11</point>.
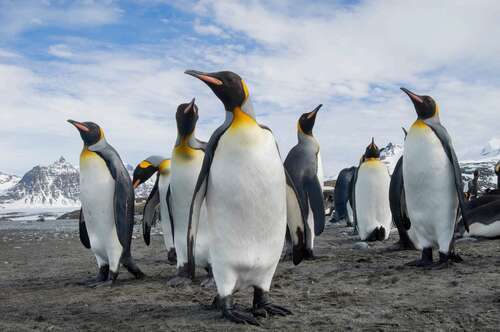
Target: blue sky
<point>121,64</point>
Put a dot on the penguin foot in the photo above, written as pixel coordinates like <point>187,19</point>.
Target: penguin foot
<point>455,258</point>
<point>236,316</point>
<point>172,257</point>
<point>208,282</point>
<point>262,305</point>
<point>425,261</point>
<point>131,267</point>
<point>111,281</point>
<point>309,255</point>
<point>178,281</point>
<point>446,260</point>
<point>102,275</point>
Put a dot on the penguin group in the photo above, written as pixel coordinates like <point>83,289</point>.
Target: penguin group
<point>229,206</point>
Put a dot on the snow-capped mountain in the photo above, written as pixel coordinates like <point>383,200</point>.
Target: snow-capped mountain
<point>390,155</point>
<point>7,181</point>
<point>55,185</point>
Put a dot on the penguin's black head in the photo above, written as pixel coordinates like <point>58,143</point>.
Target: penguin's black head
<point>186,116</point>
<point>425,106</point>
<point>372,151</point>
<point>306,121</point>
<point>476,173</point>
<point>227,86</point>
<point>143,172</point>
<point>90,132</point>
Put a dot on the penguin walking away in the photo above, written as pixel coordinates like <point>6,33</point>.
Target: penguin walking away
<point>432,183</point>
<point>248,195</point>
<point>371,200</point>
<point>303,164</point>
<point>341,195</point>
<point>157,199</point>
<point>187,159</point>
<point>107,197</point>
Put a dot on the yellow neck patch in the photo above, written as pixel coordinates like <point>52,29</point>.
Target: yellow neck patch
<point>144,164</point>
<point>420,124</point>
<point>164,166</point>
<point>371,159</point>
<point>241,119</point>
<point>184,151</point>
<point>86,154</point>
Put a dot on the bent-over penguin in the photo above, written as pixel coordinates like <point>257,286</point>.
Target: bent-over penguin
<point>247,194</point>
<point>157,199</point>
<point>341,196</point>
<point>484,219</point>
<point>303,164</point>
<point>107,197</point>
<point>372,210</point>
<point>432,183</point>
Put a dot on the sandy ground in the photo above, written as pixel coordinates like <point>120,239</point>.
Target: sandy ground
<point>346,289</point>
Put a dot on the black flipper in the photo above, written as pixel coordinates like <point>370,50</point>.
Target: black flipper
<point>296,220</point>
<point>341,192</point>
<point>397,202</point>
<point>149,213</point>
<point>445,139</point>
<point>84,236</point>
<point>124,196</point>
<point>315,197</point>
<point>170,215</point>
<point>353,197</point>
<point>200,192</point>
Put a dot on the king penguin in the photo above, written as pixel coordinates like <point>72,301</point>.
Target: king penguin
<point>483,219</point>
<point>107,197</point>
<point>157,198</point>
<point>397,202</point>
<point>245,187</point>
<point>432,183</point>
<point>187,159</point>
<point>371,197</point>
<point>341,196</point>
<point>303,164</point>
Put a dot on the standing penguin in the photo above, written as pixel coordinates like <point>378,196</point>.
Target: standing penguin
<point>107,197</point>
<point>341,196</point>
<point>371,197</point>
<point>303,164</point>
<point>244,184</point>
<point>497,172</point>
<point>187,158</point>
<point>432,183</point>
<point>158,197</point>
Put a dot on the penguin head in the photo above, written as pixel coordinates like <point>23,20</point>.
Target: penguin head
<point>90,132</point>
<point>425,106</point>
<point>307,120</point>
<point>143,172</point>
<point>227,86</point>
<point>186,116</point>
<point>372,151</point>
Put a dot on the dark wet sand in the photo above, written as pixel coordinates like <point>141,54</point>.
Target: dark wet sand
<point>347,289</point>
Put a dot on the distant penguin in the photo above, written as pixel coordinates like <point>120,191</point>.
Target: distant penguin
<point>483,219</point>
<point>156,199</point>
<point>341,195</point>
<point>397,202</point>
<point>303,164</point>
<point>187,159</point>
<point>432,183</point>
<point>497,172</point>
<point>107,197</point>
<point>248,196</point>
<point>373,214</point>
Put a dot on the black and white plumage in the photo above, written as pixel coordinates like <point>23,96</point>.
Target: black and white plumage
<point>107,197</point>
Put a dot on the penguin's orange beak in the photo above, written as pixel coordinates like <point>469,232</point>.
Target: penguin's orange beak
<point>136,183</point>
<point>80,126</point>
<point>413,96</point>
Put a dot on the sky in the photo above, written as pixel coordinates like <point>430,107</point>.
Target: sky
<point>121,64</point>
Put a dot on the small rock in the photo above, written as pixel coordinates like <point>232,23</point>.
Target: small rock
<point>360,246</point>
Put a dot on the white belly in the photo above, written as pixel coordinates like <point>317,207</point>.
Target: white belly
<point>182,185</point>
<point>431,197</point>
<point>97,189</point>
<point>163,184</point>
<point>372,198</point>
<point>491,230</point>
<point>246,205</point>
